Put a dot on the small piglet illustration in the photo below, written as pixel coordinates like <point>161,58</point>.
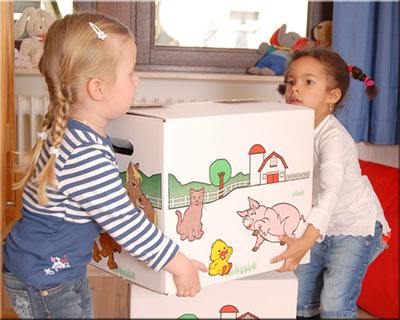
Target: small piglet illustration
<point>282,218</point>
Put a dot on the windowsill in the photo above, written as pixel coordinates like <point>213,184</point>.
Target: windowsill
<point>209,76</point>
<point>26,71</point>
<point>182,75</point>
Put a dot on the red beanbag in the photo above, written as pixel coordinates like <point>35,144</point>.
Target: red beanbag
<point>380,289</point>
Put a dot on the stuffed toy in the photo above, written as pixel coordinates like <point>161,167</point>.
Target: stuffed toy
<point>275,55</point>
<point>37,22</point>
<point>21,60</point>
<point>322,34</point>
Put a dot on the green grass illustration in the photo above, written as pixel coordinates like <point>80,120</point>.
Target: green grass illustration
<point>244,269</point>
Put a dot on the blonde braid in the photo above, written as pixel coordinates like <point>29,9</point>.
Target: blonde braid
<point>72,55</point>
<point>61,112</point>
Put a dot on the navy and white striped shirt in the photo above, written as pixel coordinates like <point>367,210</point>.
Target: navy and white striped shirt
<point>53,244</point>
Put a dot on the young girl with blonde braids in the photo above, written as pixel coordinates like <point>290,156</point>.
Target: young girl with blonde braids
<point>71,182</point>
<point>346,226</point>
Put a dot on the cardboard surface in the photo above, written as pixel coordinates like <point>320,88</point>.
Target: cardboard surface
<point>270,295</point>
<point>220,176</point>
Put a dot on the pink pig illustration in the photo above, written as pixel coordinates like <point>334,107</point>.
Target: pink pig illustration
<point>269,223</point>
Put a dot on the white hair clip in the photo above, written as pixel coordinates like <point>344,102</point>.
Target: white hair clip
<point>55,151</point>
<point>100,34</point>
<point>42,135</point>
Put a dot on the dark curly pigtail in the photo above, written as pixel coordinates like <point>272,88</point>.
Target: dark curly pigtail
<point>371,89</point>
<point>281,88</point>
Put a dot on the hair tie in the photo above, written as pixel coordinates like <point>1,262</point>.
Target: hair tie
<point>368,82</point>
<point>350,68</point>
<point>54,151</point>
<point>100,34</point>
<point>42,135</point>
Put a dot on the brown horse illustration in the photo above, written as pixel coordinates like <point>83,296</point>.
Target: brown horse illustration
<point>108,247</point>
<point>139,200</point>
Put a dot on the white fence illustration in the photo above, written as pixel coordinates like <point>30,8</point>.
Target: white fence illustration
<point>297,176</point>
<point>156,202</point>
<point>183,201</point>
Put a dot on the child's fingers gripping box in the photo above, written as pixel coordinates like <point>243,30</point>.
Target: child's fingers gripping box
<point>222,180</point>
<point>269,295</point>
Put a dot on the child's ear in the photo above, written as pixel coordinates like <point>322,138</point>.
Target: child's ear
<point>334,96</point>
<point>95,89</point>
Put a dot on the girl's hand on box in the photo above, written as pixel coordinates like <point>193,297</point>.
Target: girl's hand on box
<point>187,282</point>
<point>296,249</point>
<point>185,274</point>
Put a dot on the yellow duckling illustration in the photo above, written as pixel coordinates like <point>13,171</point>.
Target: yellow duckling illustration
<point>219,256</point>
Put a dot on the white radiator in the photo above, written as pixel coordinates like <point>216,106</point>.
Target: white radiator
<point>388,155</point>
<point>29,112</point>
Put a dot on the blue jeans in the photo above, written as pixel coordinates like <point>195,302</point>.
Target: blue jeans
<point>67,300</point>
<point>330,284</point>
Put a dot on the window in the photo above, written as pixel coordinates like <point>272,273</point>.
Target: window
<point>229,47</point>
<point>273,162</point>
<point>229,24</point>
<point>56,8</point>
<point>264,176</point>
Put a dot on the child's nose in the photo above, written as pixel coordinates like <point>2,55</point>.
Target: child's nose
<point>296,88</point>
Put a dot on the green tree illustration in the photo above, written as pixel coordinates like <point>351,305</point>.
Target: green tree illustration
<point>220,173</point>
<point>188,316</point>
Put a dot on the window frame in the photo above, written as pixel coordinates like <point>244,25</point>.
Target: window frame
<point>166,58</point>
<point>124,11</point>
<point>139,16</point>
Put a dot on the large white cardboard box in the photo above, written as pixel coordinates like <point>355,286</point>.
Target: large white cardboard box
<point>269,295</point>
<point>223,180</point>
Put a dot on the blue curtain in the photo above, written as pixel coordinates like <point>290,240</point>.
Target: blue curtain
<point>366,34</point>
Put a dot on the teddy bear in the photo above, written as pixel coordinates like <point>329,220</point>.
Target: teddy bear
<point>322,34</point>
<point>37,22</point>
<point>274,55</point>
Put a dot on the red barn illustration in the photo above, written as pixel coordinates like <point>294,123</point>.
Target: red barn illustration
<point>266,169</point>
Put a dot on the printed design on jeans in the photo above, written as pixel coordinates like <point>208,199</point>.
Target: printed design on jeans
<point>58,264</point>
<point>22,306</point>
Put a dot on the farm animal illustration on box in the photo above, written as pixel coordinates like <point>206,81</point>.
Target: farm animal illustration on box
<point>265,221</point>
<point>107,246</point>
<point>269,223</point>
<point>189,224</point>
<point>220,254</point>
<point>135,193</point>
<point>199,165</point>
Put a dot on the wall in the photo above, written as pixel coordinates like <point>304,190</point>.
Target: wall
<point>184,87</point>
<point>176,87</point>
<point>384,154</point>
